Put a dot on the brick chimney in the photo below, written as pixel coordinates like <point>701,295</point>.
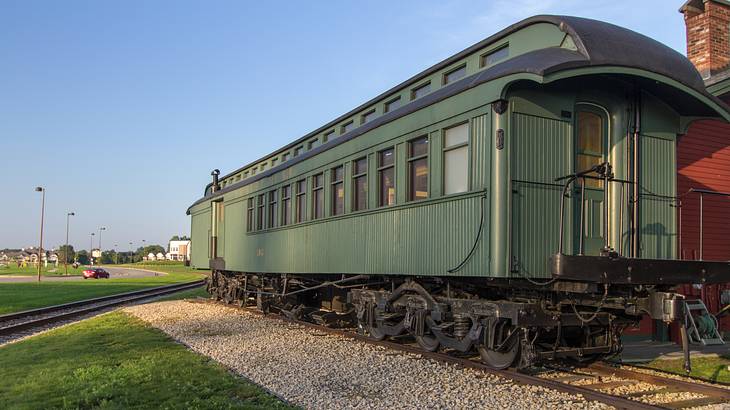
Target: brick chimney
<point>708,35</point>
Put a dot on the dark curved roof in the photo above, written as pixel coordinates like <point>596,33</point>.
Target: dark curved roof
<point>598,44</point>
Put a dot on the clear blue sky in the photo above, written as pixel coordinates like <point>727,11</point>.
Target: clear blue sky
<point>121,108</point>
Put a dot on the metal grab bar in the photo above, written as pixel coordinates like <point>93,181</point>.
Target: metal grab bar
<point>604,173</point>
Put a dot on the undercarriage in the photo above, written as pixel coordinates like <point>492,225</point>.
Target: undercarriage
<point>507,322</point>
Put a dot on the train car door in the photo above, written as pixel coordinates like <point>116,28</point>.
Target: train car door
<point>591,130</point>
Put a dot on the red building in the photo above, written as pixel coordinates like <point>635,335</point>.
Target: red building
<point>703,154</point>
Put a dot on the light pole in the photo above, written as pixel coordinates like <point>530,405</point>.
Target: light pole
<point>91,250</point>
<point>131,252</point>
<point>65,254</point>
<point>116,254</point>
<point>43,210</point>
<point>101,229</point>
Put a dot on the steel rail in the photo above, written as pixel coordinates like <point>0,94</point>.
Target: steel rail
<point>94,305</point>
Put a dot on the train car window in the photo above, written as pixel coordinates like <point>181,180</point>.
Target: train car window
<point>495,56</point>
<point>272,210</point>
<point>386,177</point>
<point>301,200</point>
<point>455,74</point>
<point>418,169</point>
<point>286,205</point>
<point>253,171</point>
<point>392,104</point>
<point>456,159</point>
<point>263,167</point>
<point>273,162</point>
<point>421,90</point>
<point>360,184</point>
<point>330,135</point>
<point>338,190</point>
<point>590,143</point>
<point>260,212</point>
<point>285,157</point>
<point>249,215</point>
<point>314,143</point>
<point>347,127</point>
<point>298,151</point>
<point>367,117</point>
<point>318,196</point>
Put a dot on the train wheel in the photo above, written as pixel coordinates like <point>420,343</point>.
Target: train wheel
<point>428,342</point>
<point>375,333</point>
<point>499,360</point>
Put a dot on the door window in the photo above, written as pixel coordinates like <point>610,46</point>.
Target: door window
<point>590,144</point>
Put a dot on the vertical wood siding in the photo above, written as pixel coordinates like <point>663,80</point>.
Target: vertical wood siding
<point>657,216</point>
<point>541,151</point>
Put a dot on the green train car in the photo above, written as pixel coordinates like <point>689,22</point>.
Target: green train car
<point>516,198</point>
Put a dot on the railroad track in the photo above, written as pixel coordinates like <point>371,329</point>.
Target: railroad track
<point>19,324</point>
<point>617,386</point>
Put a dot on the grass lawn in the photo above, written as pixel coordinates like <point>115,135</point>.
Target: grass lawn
<point>714,369</point>
<point>50,270</point>
<point>116,361</point>
<point>22,296</point>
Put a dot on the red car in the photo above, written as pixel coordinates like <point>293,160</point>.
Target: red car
<point>97,273</point>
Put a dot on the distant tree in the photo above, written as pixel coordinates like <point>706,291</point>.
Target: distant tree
<point>67,256</point>
<point>175,238</point>
<point>82,257</point>
<point>108,257</point>
<point>155,249</point>
<point>184,238</point>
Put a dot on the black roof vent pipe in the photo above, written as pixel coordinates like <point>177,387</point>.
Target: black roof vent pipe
<point>215,186</point>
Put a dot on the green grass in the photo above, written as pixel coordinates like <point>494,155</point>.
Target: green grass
<point>22,296</point>
<point>50,270</point>
<point>116,361</point>
<point>714,369</point>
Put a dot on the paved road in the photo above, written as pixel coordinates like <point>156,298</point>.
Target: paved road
<point>115,273</point>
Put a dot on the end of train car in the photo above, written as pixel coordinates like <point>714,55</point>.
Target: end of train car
<point>517,199</point>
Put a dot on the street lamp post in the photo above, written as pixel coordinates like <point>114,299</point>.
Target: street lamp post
<point>91,249</point>
<point>131,252</point>
<point>101,229</point>
<point>65,254</point>
<point>116,254</point>
<point>43,210</point>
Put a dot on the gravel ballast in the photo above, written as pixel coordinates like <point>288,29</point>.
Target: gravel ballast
<point>321,371</point>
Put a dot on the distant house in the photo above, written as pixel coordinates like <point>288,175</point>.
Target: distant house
<point>160,256</point>
<point>150,257</point>
<point>178,251</point>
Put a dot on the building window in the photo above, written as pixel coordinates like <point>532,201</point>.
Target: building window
<point>418,169</point>
<point>285,157</point>
<point>338,190</point>
<point>346,127</point>
<point>330,136</point>
<point>367,117</point>
<point>314,143</point>
<point>392,104</point>
<point>420,91</point>
<point>298,151</point>
<point>260,212</point>
<point>249,215</point>
<point>455,74</point>
<point>318,196</point>
<point>286,205</point>
<point>495,56</point>
<point>360,184</point>
<point>301,200</point>
<point>272,209</point>
<point>273,162</point>
<point>456,159</point>
<point>386,177</point>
